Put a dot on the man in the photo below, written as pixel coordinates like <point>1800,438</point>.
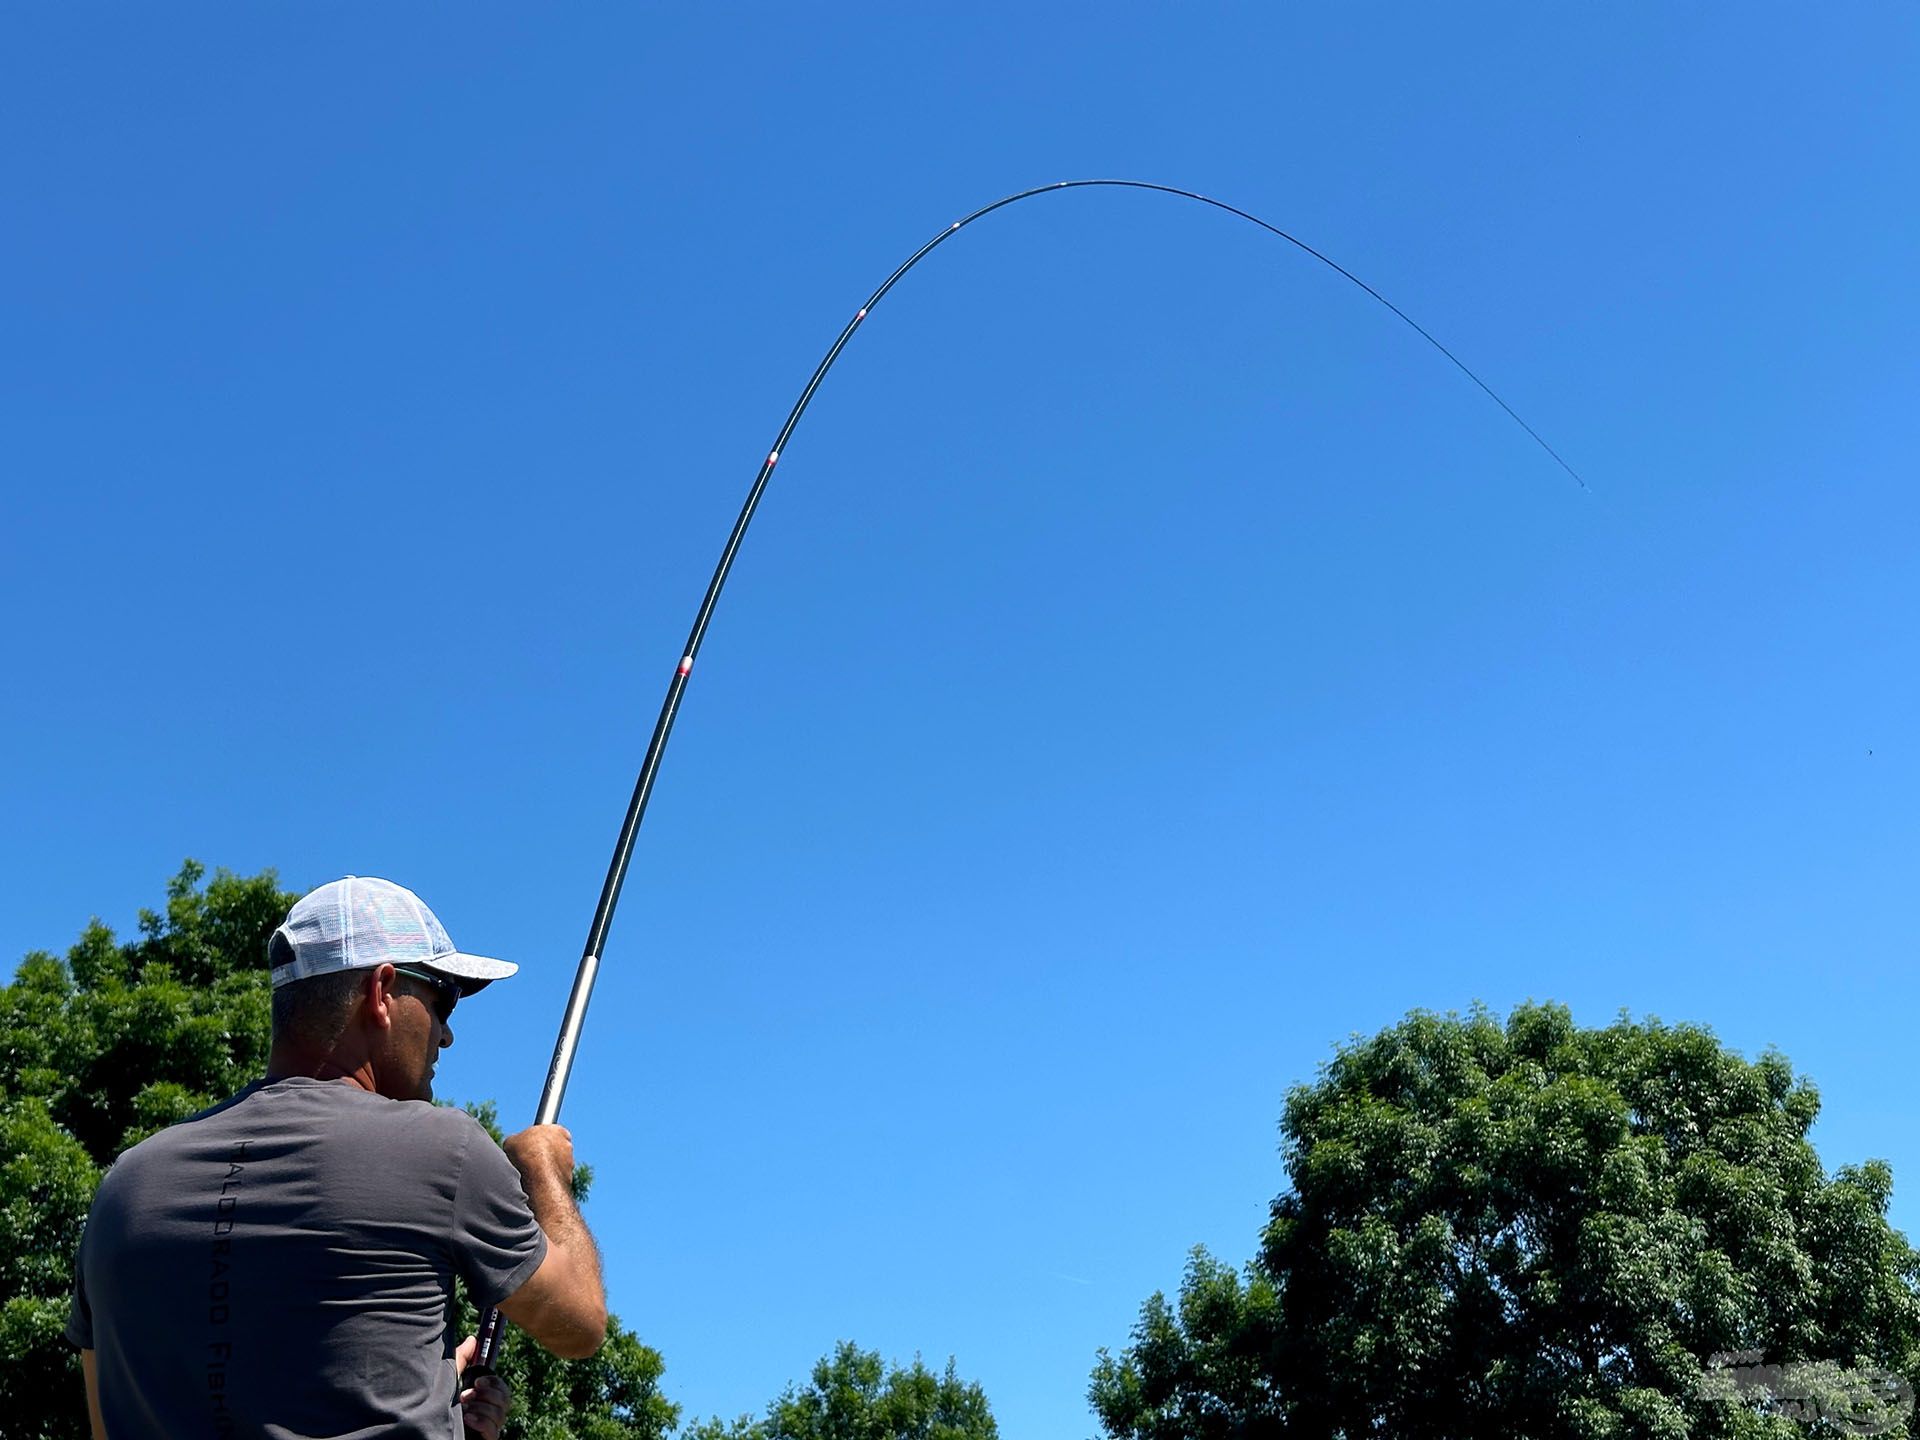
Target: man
<point>282,1265</point>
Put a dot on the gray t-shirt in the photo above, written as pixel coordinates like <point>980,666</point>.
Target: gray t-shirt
<point>282,1266</point>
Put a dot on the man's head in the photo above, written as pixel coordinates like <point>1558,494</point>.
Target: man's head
<point>364,984</point>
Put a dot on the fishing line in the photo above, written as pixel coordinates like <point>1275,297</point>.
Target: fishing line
<point>575,1016</point>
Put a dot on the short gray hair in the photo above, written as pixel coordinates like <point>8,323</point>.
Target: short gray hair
<point>312,1013</point>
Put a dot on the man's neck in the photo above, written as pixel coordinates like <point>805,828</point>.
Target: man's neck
<point>285,1062</point>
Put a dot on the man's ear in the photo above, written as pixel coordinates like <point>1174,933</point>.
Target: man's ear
<point>380,988</point>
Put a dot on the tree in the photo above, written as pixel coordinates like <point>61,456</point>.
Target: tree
<point>853,1396</point>
<point>109,1044</point>
<point>1536,1230</point>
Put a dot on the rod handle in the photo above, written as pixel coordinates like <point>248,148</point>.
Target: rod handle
<point>492,1331</point>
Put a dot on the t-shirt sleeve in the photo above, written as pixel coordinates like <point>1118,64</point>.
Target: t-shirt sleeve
<point>497,1243</point>
<point>79,1330</point>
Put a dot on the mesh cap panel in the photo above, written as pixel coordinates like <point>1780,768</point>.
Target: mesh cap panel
<point>358,922</point>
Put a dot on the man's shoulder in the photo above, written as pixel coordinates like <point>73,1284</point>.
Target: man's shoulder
<point>314,1107</point>
<point>180,1131</point>
<point>444,1132</point>
<point>445,1122</point>
<point>152,1155</point>
<point>416,1122</point>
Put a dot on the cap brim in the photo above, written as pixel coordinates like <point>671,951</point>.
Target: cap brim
<point>471,972</point>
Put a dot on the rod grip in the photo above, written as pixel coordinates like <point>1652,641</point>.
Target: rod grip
<point>492,1332</point>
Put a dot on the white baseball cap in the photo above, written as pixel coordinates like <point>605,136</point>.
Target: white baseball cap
<point>357,923</point>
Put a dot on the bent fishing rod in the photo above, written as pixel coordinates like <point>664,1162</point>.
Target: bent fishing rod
<point>576,1012</point>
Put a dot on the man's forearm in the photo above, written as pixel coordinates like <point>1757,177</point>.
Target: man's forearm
<point>566,1230</point>
<point>90,1371</point>
<point>564,1303</point>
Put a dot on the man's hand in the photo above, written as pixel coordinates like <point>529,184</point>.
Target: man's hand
<point>483,1404</point>
<point>543,1154</point>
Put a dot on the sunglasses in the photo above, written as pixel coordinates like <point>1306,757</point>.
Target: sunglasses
<point>446,994</point>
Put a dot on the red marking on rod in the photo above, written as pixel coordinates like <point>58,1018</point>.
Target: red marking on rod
<point>774,458</point>
<point>686,664</point>
<point>863,313</point>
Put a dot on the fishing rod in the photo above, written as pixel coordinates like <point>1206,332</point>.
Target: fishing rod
<point>575,1016</point>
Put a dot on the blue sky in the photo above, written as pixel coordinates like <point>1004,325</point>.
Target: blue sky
<point>1151,663</point>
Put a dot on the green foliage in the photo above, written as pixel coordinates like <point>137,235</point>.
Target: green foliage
<point>120,1040</point>
<point>115,1041</point>
<point>1537,1230</point>
<point>854,1396</point>
<point>46,1183</point>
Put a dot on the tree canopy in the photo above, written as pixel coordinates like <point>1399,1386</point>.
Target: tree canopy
<point>1531,1229</point>
<point>115,1040</point>
<point>853,1395</point>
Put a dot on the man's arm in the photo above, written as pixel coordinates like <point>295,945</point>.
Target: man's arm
<point>93,1395</point>
<point>563,1304</point>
